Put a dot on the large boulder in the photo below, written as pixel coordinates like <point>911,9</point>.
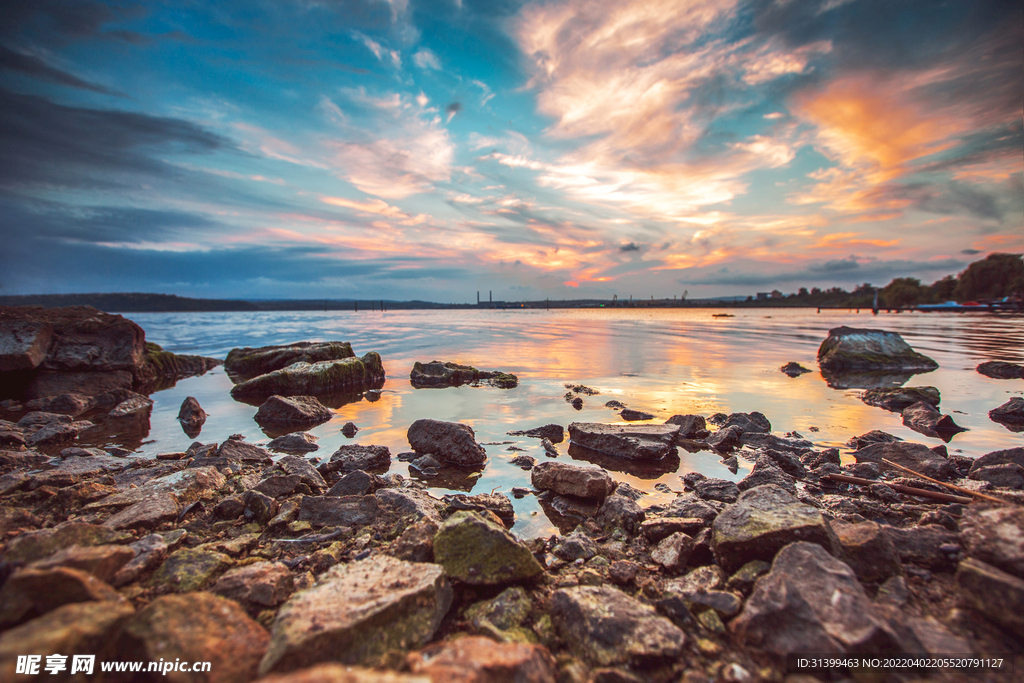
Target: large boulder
<point>315,379</point>
<point>291,413</point>
<point>896,399</point>
<point>763,521</point>
<point>451,442</point>
<point>357,613</point>
<point>246,363</point>
<point>23,343</point>
<point>848,349</point>
<point>1010,414</point>
<point>479,551</point>
<point>914,456</point>
<point>572,480</point>
<point>636,442</point>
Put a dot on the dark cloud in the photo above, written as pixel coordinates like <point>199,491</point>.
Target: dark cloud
<point>58,21</point>
<point>453,108</point>
<point>970,252</point>
<point>629,247</point>
<point>836,266</point>
<point>37,68</point>
<point>946,198</point>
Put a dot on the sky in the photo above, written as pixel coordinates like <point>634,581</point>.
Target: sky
<point>408,149</point>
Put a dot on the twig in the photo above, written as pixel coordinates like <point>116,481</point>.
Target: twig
<point>312,539</point>
<point>952,487</point>
<point>924,493</point>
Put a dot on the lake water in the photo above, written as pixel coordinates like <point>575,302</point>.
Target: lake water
<point>663,361</point>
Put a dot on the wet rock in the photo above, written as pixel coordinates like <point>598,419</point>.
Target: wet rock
<point>192,417</point>
<point>794,369</point>
<point>791,465</point>
<point>426,464</point>
<point>864,470</point>
<point>474,659</point>
<point>41,544</point>
<point>849,349</point>
<point>1007,475</point>
<point>923,545</point>
<point>915,456</point>
<point>502,616</point>
<point>248,362</point>
<point>133,405</point>
<point>52,435</point>
<point>766,472</point>
<point>577,403</point>
<point>754,422</point>
<point>810,602</point>
<point>357,613</point>
<point>296,466</point>
<point>872,437</point>
<point>555,433</point>
<point>190,569</point>
<point>101,561</point>
<point>256,586</point>
<point>29,592</point>
<point>673,552</point>
<point>39,419</point>
<point>447,374</point>
<point>690,426</point>
<point>717,489</point>
<point>572,480</point>
<point>72,404</point>
<point>631,415</point>
<point>998,369</point>
<point>639,442</point>
<point>923,418</point>
<point>275,486</point>
<point>868,550</point>
<point>357,483</point>
<point>993,592</point>
<point>294,443</point>
<point>314,379</point>
<point>525,462</point>
<point>449,441</point>
<point>349,430</point>
<point>411,502</point>
<point>71,471</point>
<point>339,511</point>
<point>897,399</point>
<point>416,543</point>
<point>575,546</point>
<point>995,536</point>
<point>762,522</point>
<point>478,551</point>
<point>195,627</point>
<point>495,503</point>
<point>791,443</point>
<point>291,413</point>
<point>1010,414</point>
<point>605,626</point>
<point>726,438</point>
<point>620,512</point>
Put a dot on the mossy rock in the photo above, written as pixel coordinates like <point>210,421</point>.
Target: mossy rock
<point>315,379</point>
<point>477,550</point>
<point>245,363</point>
<point>190,570</point>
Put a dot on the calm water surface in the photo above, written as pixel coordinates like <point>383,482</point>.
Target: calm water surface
<point>663,361</point>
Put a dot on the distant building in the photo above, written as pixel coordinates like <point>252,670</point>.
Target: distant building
<point>776,294</point>
<point>761,296</point>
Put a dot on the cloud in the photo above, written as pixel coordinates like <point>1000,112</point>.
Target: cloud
<point>842,272</point>
<point>451,110</point>
<point>425,59</point>
<point>35,67</point>
<point>629,247</point>
<point>970,252</point>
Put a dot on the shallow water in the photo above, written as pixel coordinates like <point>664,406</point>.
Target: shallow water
<point>663,361</point>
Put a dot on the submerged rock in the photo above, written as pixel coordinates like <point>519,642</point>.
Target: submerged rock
<point>554,433</point>
<point>1010,414</point>
<point>641,442</point>
<point>449,441</point>
<point>794,369</point>
<point>246,363</point>
<point>192,417</point>
<point>848,349</point>
<point>923,418</point>
<point>896,399</point>
<point>294,443</point>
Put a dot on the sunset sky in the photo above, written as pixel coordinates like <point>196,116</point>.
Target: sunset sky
<point>404,149</point>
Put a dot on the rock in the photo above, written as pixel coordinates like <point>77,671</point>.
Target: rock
<point>556,433</point>
<point>416,543</point>
<point>794,369</point>
<point>620,512</point>
<point>83,338</point>
<point>256,586</point>
<point>133,405</point>
<point>724,603</point>
<point>291,413</point>
<point>296,466</point>
<point>502,615</point>
<point>246,363</point>
<point>294,443</point>
<point>810,602</point>
<point>1008,475</point>
<point>357,613</point>
<point>53,435</point>
<point>474,659</point>
<point>150,551</point>
<point>147,513</point>
<point>357,483</point>
<point>189,569</point>
<point>495,503</point>
<point>438,374</point>
<point>449,441</point>
<point>36,420</point>
<point>79,628</point>
<point>1008,455</point>
<point>872,437</point>
<point>993,592</point>
<point>575,546</point>
<point>726,438</point>
<point>656,529</point>
<point>673,552</point>
<point>849,349</point>
<point>717,489</point>
<point>604,626</point>
<point>68,404</point>
<point>897,399</point>
<point>699,580</point>
<point>637,442</point>
<point>525,462</point>
<point>101,561</point>
<point>29,593</point>
<point>45,384</point>
<point>923,418</point>
<point>41,544</point>
<point>766,472</point>
<point>195,627</point>
<point>762,522</point>
<point>23,343</point>
<point>791,465</point>
<point>316,379</point>
<point>337,673</point>
<point>868,550</point>
<point>754,422</point>
<point>631,415</point>
<point>477,551</point>
<point>743,578</point>
<point>239,451</point>
<point>1010,414</point>
<point>997,369</point>
<point>915,456</point>
<point>995,536</point>
<point>688,505</point>
<point>924,545</point>
<point>354,457</point>
<point>766,441</point>
<point>410,502</point>
<point>690,426</point>
<point>349,429</point>
<point>339,511</point>
<point>572,480</point>
<point>163,365</point>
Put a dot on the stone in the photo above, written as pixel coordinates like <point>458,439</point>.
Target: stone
<point>475,659</point>
<point>349,429</point>
<point>501,615</point>
<point>190,569</point>
<point>447,374</point>
<point>995,536</point>
<point>148,513</point>
<point>357,483</point>
<point>620,512</point>
<point>256,586</point>
<point>766,472</point>
<point>291,413</point>
<point>496,503</point>
<point>848,349</point>
<point>525,462</point>
<point>296,466</point>
<point>604,626</point>
<point>575,546</point>
<point>67,404</point>
<point>791,443</point>
<point>717,489</point>
<point>294,443</point>
<point>897,399</point>
<point>763,521</point>
<point>133,405</point>
<point>247,362</point>
<point>726,438</point>
<point>690,426</point>
<point>700,579</point>
<point>1008,455</point>
<point>45,384</point>
<point>914,456</point>
<point>924,418</point>
<point>239,451</point>
<point>993,592</point>
<point>868,550</point>
<point>655,529</point>
<point>477,551</point>
<point>150,551</point>
<point>353,457</point>
<point>724,603</point>
<point>41,544</point>
<point>572,480</point>
<point>337,673</point>
<point>416,543</point>
<point>1008,475</point>
<point>631,415</point>
<point>810,602</point>
<point>1010,414</point>
<point>314,379</point>
<point>52,435</point>
<point>997,369</point>
<point>451,442</point>
<point>743,578</point>
<point>23,343</point>
<point>872,437</point>
<point>754,422</point>
<point>923,545</point>
<point>555,433</point>
<point>411,502</point>
<point>357,613</point>
<point>794,369</point>
<point>339,511</point>
<point>673,552</point>
<point>191,416</point>
<point>102,561</point>
<point>634,442</point>
<point>195,627</point>
<point>29,592</point>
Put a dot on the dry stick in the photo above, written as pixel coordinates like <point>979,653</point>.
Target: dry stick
<point>953,487</point>
<point>924,493</point>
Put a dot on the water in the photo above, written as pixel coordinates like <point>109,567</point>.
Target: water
<point>663,361</point>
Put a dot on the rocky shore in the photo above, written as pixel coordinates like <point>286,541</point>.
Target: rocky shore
<point>278,566</point>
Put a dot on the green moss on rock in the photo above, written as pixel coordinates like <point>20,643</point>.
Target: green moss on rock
<point>477,550</point>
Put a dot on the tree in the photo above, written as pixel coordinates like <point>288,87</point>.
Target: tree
<point>802,292</point>
<point>944,289</point>
<point>903,291</point>
<point>996,276</point>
